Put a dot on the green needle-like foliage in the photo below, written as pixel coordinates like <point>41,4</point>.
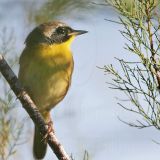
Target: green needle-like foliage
<point>139,79</point>
<point>11,128</point>
<point>51,9</point>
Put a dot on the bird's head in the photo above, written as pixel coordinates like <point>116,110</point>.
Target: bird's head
<point>52,33</point>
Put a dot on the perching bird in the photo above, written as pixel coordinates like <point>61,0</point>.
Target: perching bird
<point>46,66</point>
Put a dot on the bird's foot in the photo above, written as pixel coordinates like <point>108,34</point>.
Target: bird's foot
<point>49,130</point>
<point>21,94</point>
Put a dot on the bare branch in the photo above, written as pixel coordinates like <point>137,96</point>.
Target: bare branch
<point>32,110</point>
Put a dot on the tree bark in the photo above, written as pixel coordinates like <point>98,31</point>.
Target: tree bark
<point>32,110</point>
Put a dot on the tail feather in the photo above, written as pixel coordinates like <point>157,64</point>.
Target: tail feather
<point>39,145</point>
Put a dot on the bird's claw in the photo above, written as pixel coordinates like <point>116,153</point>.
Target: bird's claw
<point>49,130</point>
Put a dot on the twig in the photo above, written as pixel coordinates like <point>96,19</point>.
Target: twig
<point>100,4</point>
<point>32,110</point>
<point>113,21</point>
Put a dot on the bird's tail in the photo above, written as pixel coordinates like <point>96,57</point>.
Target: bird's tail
<point>39,144</point>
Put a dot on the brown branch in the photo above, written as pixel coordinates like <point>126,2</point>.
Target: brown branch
<point>32,110</point>
<point>153,52</point>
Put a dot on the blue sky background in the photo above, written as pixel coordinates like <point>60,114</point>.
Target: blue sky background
<point>87,117</point>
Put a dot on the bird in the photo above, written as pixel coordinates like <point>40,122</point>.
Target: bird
<point>45,72</point>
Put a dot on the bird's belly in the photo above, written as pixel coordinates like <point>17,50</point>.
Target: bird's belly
<point>47,87</point>
<point>45,72</point>
<point>53,91</point>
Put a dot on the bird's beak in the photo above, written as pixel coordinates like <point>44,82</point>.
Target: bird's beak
<point>77,32</point>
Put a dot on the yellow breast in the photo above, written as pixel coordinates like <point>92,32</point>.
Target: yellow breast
<point>45,72</point>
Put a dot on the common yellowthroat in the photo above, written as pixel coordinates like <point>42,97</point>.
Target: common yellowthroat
<point>46,66</point>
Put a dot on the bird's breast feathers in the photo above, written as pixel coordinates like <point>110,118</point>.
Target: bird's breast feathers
<point>45,72</point>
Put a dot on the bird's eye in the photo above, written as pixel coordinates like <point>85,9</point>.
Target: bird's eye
<point>62,30</point>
